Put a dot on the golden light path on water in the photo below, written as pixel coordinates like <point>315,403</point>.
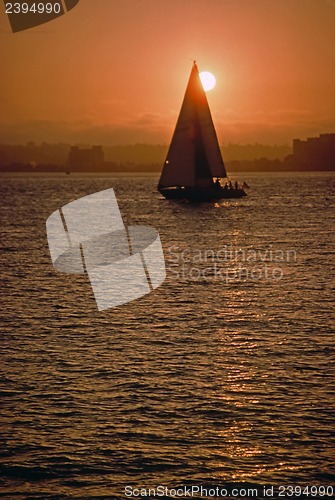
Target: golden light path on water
<point>202,381</point>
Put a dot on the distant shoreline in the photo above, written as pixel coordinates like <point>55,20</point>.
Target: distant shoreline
<point>313,155</point>
<point>235,167</point>
<point>231,174</point>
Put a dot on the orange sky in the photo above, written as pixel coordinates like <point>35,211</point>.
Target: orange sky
<point>115,71</point>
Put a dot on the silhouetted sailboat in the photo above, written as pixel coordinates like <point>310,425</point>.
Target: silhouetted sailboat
<point>194,166</point>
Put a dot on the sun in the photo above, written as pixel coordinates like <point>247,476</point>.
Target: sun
<point>208,80</point>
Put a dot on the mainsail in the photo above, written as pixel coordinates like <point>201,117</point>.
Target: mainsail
<point>194,156</point>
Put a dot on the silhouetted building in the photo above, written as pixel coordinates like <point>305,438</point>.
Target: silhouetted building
<point>85,159</point>
<point>315,153</point>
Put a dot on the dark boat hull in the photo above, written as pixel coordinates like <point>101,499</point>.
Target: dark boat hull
<point>198,194</point>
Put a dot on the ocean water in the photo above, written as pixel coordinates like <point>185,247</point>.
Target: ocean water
<point>222,377</point>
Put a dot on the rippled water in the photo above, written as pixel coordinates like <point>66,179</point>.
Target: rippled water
<point>201,382</point>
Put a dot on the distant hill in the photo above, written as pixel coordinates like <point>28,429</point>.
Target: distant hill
<point>316,153</point>
<point>57,154</point>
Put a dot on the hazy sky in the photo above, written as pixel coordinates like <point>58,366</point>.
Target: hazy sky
<point>115,71</point>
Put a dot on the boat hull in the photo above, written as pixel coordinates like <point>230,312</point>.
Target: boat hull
<point>198,194</point>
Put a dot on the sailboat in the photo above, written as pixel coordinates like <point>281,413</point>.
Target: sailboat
<point>193,168</point>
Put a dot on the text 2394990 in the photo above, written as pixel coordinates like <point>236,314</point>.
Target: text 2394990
<point>36,8</point>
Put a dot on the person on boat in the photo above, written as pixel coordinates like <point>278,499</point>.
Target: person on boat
<point>230,185</point>
<point>236,185</point>
<point>217,182</point>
